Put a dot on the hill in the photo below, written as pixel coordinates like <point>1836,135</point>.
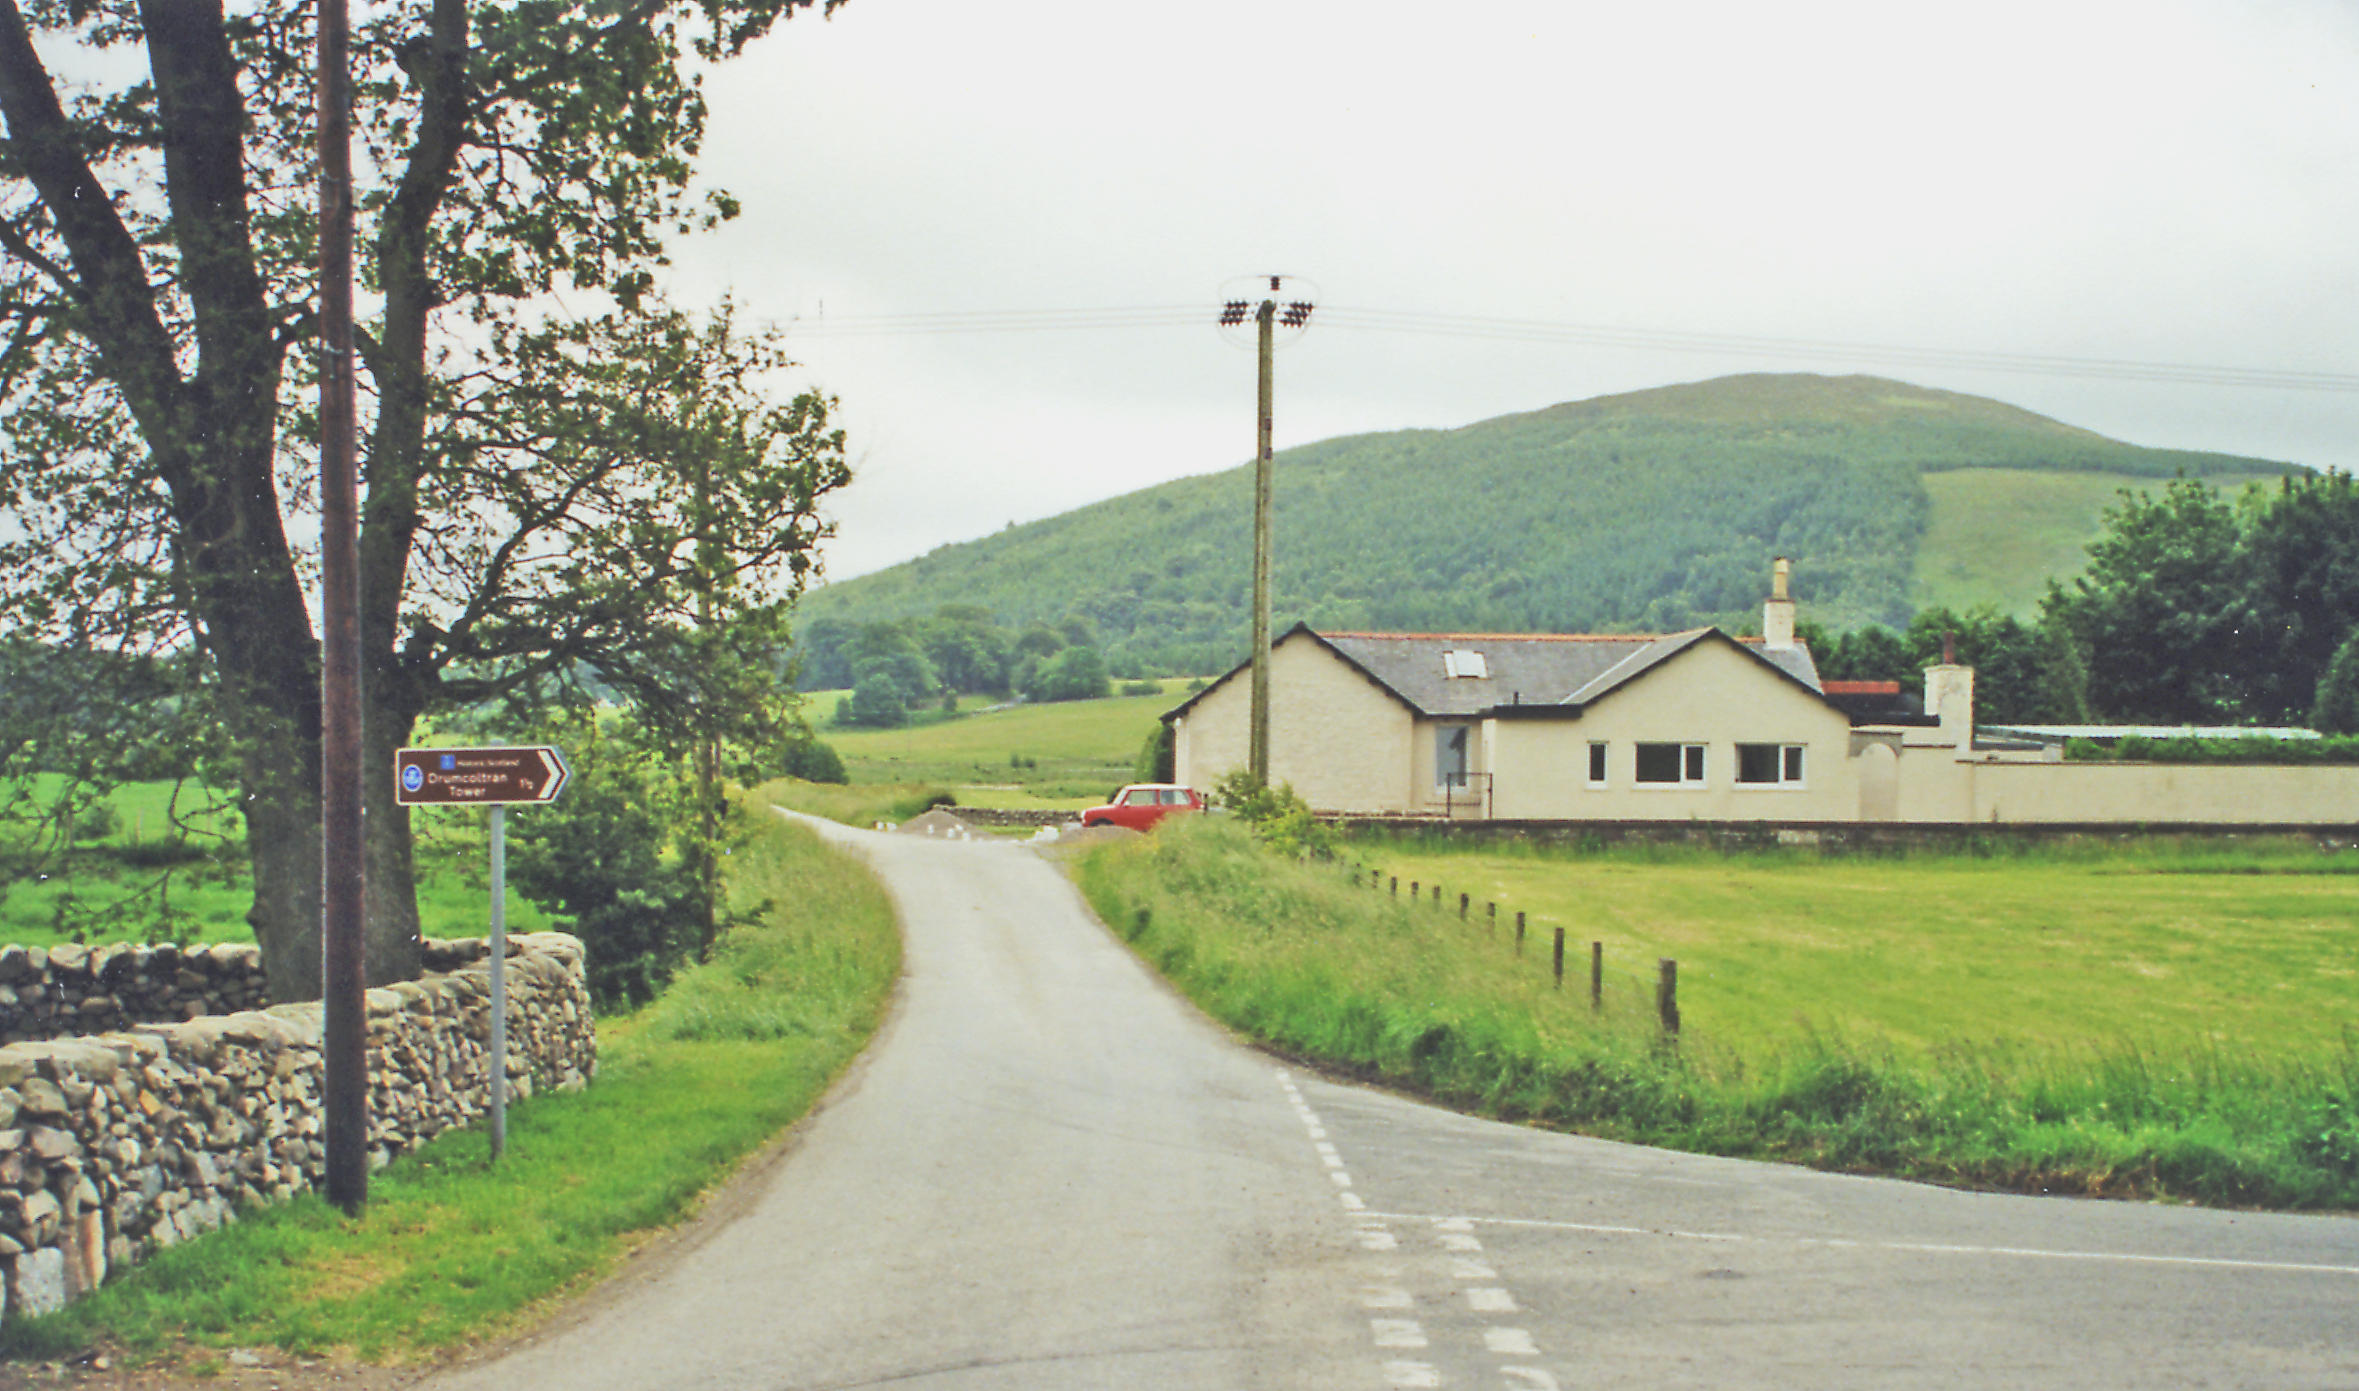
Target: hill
<point>1652,510</point>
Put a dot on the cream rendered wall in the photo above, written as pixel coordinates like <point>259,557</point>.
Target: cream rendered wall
<point>2152,792</point>
<point>1341,740</point>
<point>1935,783</point>
<point>1709,695</point>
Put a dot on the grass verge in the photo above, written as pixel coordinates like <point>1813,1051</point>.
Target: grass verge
<point>1295,957</point>
<point>451,1248</point>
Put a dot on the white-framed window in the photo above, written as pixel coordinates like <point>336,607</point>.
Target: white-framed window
<point>1770,765</point>
<point>1668,765</point>
<point>1452,745</point>
<point>1597,763</point>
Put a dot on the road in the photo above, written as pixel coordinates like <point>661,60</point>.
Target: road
<point>1050,1172</point>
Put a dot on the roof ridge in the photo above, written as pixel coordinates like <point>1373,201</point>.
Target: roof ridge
<point>1500,637</point>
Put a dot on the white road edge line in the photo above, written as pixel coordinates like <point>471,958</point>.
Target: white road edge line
<point>2135,1258</point>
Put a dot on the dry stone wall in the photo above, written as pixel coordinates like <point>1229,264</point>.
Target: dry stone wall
<point>115,1144</point>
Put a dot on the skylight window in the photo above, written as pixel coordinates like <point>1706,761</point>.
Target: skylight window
<point>1461,663</point>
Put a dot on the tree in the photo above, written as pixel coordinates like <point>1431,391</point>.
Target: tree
<point>2299,579</point>
<point>157,288</point>
<point>2336,707</point>
<point>1075,673</point>
<point>2154,612</point>
<point>878,702</point>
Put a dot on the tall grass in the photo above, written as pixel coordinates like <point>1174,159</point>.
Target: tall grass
<point>452,1247</point>
<point>1299,959</point>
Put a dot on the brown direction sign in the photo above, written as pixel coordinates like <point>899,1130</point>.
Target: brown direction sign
<point>478,777</point>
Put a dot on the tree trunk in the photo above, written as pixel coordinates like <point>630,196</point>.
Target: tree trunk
<point>392,938</point>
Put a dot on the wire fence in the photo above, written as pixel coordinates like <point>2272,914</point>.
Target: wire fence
<point>1548,943</point>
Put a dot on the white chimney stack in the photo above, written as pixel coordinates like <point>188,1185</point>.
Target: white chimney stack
<point>1777,616</point>
<point>1949,695</point>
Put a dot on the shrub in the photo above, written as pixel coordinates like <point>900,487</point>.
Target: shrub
<point>1280,818</point>
<point>812,761</point>
<point>613,861</point>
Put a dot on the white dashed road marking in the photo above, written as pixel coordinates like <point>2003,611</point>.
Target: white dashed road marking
<point>1510,1342</point>
<point>1452,1234</point>
<point>1490,1299</point>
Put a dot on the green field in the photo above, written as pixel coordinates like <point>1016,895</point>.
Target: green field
<point>1997,535</point>
<point>2255,949</point>
<point>1067,755</point>
<point>205,898</point>
<point>2172,1022</point>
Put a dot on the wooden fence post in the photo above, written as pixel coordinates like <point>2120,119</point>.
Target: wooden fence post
<point>1396,886</point>
<point>1597,975</point>
<point>1519,932</point>
<point>1667,994</point>
<point>1461,907</point>
<point>1560,958</point>
<point>1492,926</point>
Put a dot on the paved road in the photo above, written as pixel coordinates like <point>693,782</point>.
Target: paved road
<point>1050,1173</point>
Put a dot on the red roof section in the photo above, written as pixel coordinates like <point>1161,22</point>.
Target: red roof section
<point>1861,687</point>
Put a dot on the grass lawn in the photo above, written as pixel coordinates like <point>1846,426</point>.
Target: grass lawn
<point>2174,1022</point>
<point>451,1248</point>
<point>2255,950</point>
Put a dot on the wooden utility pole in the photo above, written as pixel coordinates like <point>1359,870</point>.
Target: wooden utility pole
<point>343,967</point>
<point>1268,317</point>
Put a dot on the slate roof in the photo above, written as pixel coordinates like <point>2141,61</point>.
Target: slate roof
<point>1528,669</point>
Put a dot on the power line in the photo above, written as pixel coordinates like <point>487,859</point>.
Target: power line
<point>1592,335</point>
<point>1665,340</point>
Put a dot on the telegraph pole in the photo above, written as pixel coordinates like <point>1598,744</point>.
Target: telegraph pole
<point>343,970</point>
<point>1267,317</point>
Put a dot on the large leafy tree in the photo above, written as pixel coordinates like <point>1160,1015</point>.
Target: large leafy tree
<point>2300,599</point>
<point>2155,610</point>
<point>157,303</point>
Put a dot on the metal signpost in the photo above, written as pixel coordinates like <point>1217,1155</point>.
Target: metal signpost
<point>492,777</point>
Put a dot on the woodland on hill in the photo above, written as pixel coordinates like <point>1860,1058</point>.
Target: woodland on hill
<point>1648,512</point>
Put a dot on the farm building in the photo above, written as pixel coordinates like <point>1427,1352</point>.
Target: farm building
<point>1693,726</point>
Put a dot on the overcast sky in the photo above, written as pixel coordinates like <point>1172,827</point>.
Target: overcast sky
<point>2154,182</point>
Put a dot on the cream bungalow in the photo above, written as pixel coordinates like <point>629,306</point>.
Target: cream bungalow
<point>1691,726</point>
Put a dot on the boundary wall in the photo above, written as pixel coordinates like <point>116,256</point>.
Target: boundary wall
<point>118,1144</point>
<point>1839,837</point>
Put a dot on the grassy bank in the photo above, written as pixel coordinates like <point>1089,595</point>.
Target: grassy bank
<point>451,1248</point>
<point>1300,959</point>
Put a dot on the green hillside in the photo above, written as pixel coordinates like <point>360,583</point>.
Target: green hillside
<point>1996,535</point>
<point>1653,510</point>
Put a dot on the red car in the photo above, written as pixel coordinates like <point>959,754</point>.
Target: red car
<point>1142,804</point>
